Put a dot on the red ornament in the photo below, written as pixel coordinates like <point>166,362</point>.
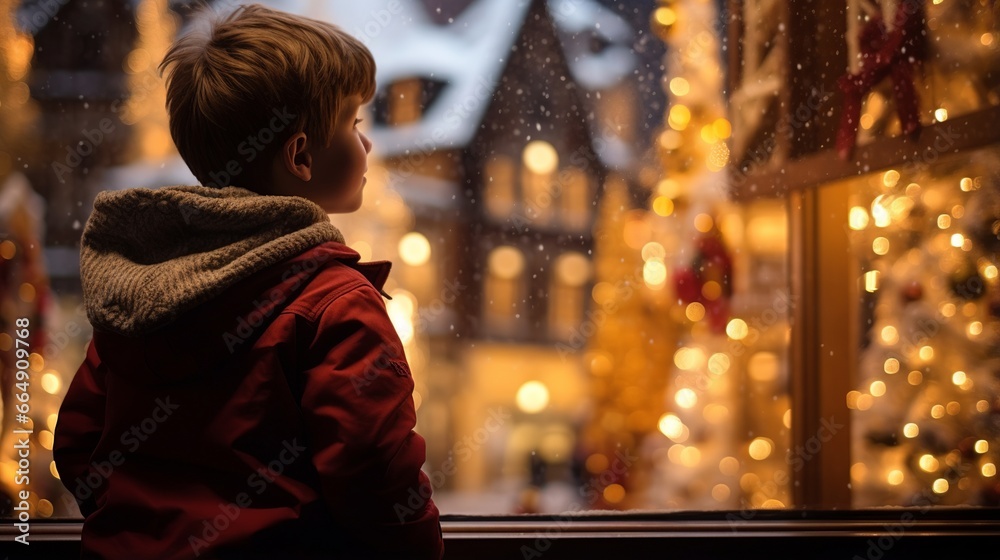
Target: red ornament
<point>885,54</point>
<point>913,291</point>
<point>711,263</point>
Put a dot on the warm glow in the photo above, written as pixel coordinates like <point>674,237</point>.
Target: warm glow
<point>654,273</point>
<point>937,411</point>
<point>958,377</point>
<point>982,446</point>
<point>895,477</point>
<point>506,262</point>
<point>665,16</point>
<point>51,383</point>
<point>532,397</point>
<point>679,86</point>
<point>877,388</point>
<point>957,240</point>
<point>695,312</point>
<point>940,486</point>
<point>686,398</point>
<point>414,249</point>
<point>926,352</point>
<point>989,470</point>
<point>737,329</point>
<point>672,427</point>
<point>540,157</point>
<point>890,335</point>
<point>928,463</point>
<point>880,246</point>
<point>760,448</point>
<point>718,363</point>
<point>941,114</point>
<point>679,117</point>
<point>858,218</point>
<point>720,492</point>
<point>890,178</point>
<point>614,493</point>
<point>703,223</point>
<point>880,213</point>
<point>663,206</point>
<point>911,430</point>
<point>871,281</point>
<point>891,366</point>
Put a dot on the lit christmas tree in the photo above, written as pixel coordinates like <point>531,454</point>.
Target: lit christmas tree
<point>927,408</point>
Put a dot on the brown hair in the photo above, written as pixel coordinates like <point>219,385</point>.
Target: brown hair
<point>233,74</point>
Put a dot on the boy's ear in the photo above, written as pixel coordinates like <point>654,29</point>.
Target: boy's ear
<point>295,158</point>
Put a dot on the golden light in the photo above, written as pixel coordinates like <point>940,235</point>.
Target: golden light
<point>364,249</point>
<point>786,419</point>
<point>7,249</point>
<point>982,446</point>
<point>941,114</point>
<point>880,213</point>
<point>989,272</point>
<point>958,377</point>
<point>986,39</point>
<point>911,430</point>
<point>671,140</point>
<point>763,366</point>
<point>654,273</point>
<point>715,413</point>
<point>672,427</point>
<point>573,269</point>
<point>506,262</point>
<point>729,466</point>
<point>663,206</point>
<point>26,292</point>
<point>665,16</point>
<point>737,329</point>
<point>690,456</point>
<point>940,486</point>
<point>858,218</point>
<point>718,157</point>
<point>532,397</point>
<point>637,232</point>
<point>926,353</point>
<point>975,329</point>
<point>957,240</point>
<point>965,184</point>
<point>540,157</point>
<point>877,388</point>
<point>53,470</point>
<point>686,398</point>
<point>937,411</point>
<point>45,438</point>
<point>880,246</point>
<point>858,472</point>
<point>772,503</point>
<point>653,250</point>
<point>871,281</point>
<point>989,470</point>
<point>760,448</point>
<point>51,383</point>
<point>890,178</point>
<point>51,420</point>
<point>720,492</point>
<point>928,463</point>
<point>890,335</point>
<point>895,477</point>
<point>722,128</point>
<point>695,311</point>
<point>891,366</point>
<point>414,249</point>
<point>944,221</point>
<point>953,408</point>
<point>614,493</point>
<point>865,401</point>
<point>679,117</point>
<point>669,188</point>
<point>596,463</point>
<point>718,363</point>
<point>703,223</point>
<point>982,405</point>
<point>679,86</point>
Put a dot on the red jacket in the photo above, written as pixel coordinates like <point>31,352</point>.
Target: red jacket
<point>275,420</point>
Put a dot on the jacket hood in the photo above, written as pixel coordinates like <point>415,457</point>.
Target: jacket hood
<point>149,255</point>
<point>167,272</point>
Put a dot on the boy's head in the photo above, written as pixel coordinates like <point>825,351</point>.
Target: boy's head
<point>268,101</point>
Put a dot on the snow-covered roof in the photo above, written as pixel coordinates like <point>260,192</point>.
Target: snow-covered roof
<point>469,55</point>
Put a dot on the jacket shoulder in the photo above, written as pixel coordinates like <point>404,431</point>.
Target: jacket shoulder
<point>332,281</point>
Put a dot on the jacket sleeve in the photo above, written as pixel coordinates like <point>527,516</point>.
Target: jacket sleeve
<point>79,427</point>
<point>357,402</point>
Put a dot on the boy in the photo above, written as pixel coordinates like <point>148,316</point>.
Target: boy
<point>245,394</point>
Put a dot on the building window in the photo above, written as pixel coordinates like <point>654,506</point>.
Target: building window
<point>540,164</point>
<point>505,289</point>
<point>572,272</point>
<point>575,199</point>
<point>499,194</point>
